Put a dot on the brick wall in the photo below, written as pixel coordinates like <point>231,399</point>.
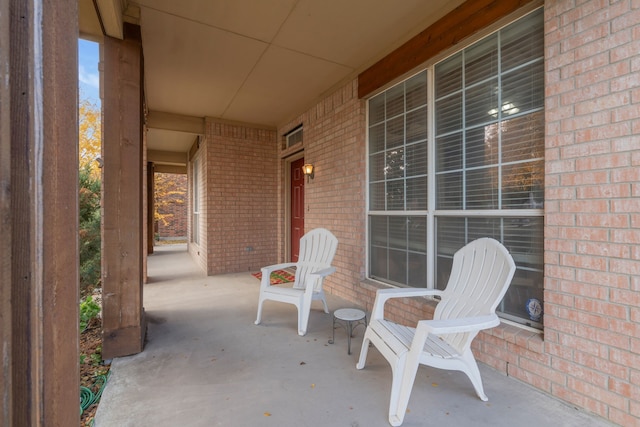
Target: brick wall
<point>334,142</point>
<point>589,354</point>
<point>242,198</point>
<point>592,233</point>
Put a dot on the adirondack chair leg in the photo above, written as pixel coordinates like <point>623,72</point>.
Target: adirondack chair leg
<point>363,352</point>
<point>259,317</point>
<point>303,320</point>
<point>324,303</point>
<point>471,369</point>
<point>401,385</point>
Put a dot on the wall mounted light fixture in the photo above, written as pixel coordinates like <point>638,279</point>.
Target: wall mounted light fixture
<point>307,170</point>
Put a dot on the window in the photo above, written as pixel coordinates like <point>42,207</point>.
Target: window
<point>195,223</point>
<point>294,136</point>
<point>456,152</point>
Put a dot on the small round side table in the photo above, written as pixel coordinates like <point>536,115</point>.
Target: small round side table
<point>349,318</point>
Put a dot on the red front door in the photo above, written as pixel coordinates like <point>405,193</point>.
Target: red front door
<point>297,207</point>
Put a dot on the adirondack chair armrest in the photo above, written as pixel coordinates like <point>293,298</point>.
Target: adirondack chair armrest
<point>383,295</point>
<point>324,272</point>
<point>314,277</point>
<point>465,324</point>
<point>266,272</point>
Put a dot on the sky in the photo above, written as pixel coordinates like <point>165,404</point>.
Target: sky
<point>88,58</point>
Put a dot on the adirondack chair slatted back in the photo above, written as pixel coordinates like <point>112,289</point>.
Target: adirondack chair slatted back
<point>480,276</point>
<point>317,249</point>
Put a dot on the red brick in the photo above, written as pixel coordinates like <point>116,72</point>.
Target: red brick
<point>618,311</point>
<point>604,280</point>
<point>590,177</point>
<point>600,235</point>
<point>612,161</point>
<point>603,220</point>
<point>601,365</point>
<point>603,249</point>
<point>601,395</point>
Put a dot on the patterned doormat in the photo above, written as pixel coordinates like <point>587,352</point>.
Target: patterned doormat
<point>277,277</point>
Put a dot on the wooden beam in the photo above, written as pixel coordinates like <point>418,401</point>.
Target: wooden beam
<point>110,15</point>
<point>39,207</point>
<point>194,148</point>
<point>167,157</point>
<point>122,264</point>
<point>175,122</point>
<point>6,218</point>
<point>462,22</point>
<point>171,169</point>
<point>60,344</point>
<point>150,207</point>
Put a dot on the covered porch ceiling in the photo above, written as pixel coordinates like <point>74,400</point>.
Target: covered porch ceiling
<point>251,61</point>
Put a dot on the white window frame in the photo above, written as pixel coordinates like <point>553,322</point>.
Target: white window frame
<point>195,222</point>
<point>432,213</point>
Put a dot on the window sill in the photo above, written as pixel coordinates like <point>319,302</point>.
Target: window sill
<point>522,336</point>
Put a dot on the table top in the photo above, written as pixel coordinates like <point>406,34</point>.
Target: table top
<point>349,314</point>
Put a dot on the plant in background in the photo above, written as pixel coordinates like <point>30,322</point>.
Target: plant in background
<point>88,310</point>
<point>170,189</point>
<point>89,148</point>
<point>96,358</point>
<point>89,229</point>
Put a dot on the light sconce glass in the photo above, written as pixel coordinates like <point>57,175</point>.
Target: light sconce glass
<point>307,170</point>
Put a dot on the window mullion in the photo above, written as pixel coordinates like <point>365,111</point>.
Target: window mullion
<point>431,179</point>
<point>463,137</point>
<point>499,121</point>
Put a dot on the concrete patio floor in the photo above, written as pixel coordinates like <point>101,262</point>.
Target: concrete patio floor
<point>205,363</point>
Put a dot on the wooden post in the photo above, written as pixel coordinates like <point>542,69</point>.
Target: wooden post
<point>6,283</point>
<point>122,238</point>
<point>151,235</point>
<point>39,374</point>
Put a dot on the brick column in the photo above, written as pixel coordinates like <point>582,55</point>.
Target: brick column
<point>592,205</point>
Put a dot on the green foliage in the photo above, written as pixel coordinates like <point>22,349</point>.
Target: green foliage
<point>89,229</point>
<point>88,310</point>
<point>96,358</point>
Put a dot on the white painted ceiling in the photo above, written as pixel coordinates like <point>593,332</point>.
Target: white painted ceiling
<point>263,61</point>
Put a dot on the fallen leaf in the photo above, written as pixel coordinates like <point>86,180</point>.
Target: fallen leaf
<point>313,385</point>
<point>267,414</point>
<point>434,384</point>
<point>303,363</point>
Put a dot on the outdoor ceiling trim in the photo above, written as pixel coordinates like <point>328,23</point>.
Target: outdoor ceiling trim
<point>175,122</point>
<point>462,22</point>
<point>110,15</point>
<point>159,168</point>
<point>167,157</point>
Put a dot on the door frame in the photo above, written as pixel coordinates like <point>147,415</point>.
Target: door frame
<point>287,200</point>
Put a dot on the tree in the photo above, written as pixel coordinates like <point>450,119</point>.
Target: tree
<point>89,194</point>
<point>89,229</point>
<point>170,189</point>
<point>90,136</point>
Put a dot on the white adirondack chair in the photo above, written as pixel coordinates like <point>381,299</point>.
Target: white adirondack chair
<point>317,249</point>
<point>481,273</point>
